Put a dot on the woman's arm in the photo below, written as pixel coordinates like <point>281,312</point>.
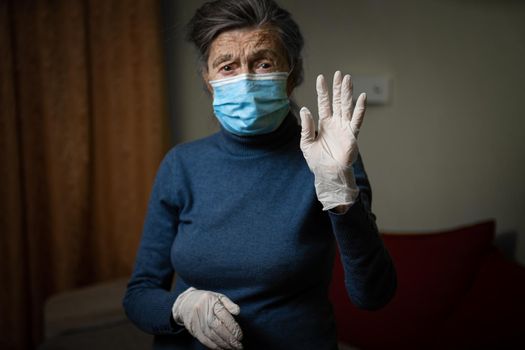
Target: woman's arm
<point>342,187</point>
<point>370,276</point>
<point>148,299</point>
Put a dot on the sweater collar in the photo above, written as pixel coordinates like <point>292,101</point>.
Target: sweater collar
<point>288,131</point>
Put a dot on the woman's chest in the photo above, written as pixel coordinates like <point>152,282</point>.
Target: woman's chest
<point>260,227</point>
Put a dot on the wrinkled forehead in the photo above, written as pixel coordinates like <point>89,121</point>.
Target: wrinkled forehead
<point>241,43</point>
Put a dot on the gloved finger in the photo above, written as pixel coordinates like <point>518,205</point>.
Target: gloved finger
<point>359,114</point>
<point>307,128</point>
<point>222,341</point>
<point>336,95</point>
<point>215,337</point>
<point>226,325</point>
<point>323,100</point>
<point>204,339</point>
<point>346,97</point>
<point>228,304</point>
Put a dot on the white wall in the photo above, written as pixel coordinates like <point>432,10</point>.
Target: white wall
<point>449,148</point>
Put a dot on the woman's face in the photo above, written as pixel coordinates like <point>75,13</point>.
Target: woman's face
<point>247,50</point>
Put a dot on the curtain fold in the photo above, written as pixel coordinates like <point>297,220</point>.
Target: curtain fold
<point>14,294</point>
<point>82,131</point>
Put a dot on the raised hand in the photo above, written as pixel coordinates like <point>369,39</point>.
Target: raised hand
<point>331,153</point>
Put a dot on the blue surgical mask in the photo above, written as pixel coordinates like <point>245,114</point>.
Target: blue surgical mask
<point>251,104</point>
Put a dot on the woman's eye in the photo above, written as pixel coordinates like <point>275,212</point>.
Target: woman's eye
<point>265,65</point>
<point>227,68</point>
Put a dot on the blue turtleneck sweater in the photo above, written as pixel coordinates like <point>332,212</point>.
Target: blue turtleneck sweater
<point>239,215</point>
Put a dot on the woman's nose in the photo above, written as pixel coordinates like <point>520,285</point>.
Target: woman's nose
<point>245,69</point>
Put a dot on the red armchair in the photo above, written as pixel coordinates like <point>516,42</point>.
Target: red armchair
<point>455,290</point>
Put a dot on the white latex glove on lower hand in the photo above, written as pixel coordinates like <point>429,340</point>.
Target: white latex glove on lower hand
<point>332,152</point>
<point>208,317</point>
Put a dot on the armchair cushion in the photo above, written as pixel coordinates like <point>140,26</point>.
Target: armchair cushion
<point>435,271</point>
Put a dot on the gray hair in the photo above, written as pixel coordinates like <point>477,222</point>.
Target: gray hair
<point>215,17</point>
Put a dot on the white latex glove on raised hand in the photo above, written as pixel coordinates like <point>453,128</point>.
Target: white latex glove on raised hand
<point>208,317</point>
<point>332,152</point>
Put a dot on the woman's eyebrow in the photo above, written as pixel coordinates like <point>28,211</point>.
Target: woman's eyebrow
<point>254,55</point>
<point>220,59</point>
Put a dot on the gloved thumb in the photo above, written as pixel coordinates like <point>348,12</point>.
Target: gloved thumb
<point>232,308</point>
<point>307,127</point>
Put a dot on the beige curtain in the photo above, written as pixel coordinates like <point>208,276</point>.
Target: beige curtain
<point>82,131</point>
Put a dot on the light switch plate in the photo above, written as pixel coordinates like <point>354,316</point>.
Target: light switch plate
<point>377,88</point>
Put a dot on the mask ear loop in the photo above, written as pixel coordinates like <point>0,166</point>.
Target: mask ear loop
<point>291,70</point>
<point>294,107</point>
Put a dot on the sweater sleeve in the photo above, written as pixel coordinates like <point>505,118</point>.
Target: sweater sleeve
<point>148,299</point>
<point>370,276</point>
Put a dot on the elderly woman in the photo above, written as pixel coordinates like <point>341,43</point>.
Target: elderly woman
<point>250,216</point>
